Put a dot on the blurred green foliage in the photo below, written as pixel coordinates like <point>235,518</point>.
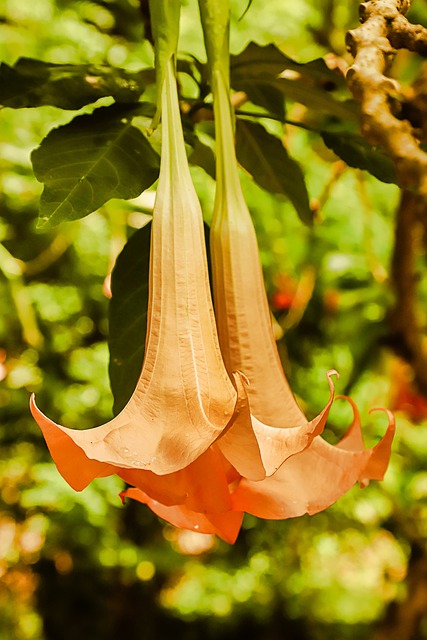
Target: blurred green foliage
<point>84,566</point>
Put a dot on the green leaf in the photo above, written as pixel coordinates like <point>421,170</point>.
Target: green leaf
<point>128,315</point>
<point>33,83</point>
<point>312,83</point>
<point>265,158</point>
<point>268,62</point>
<point>92,159</point>
<point>358,153</point>
<point>203,156</point>
<point>269,97</point>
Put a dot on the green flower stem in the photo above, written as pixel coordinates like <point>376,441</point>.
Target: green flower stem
<point>215,16</point>
<point>165,25</point>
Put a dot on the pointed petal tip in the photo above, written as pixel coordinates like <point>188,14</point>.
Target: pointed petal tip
<point>38,415</point>
<point>329,375</point>
<point>333,372</point>
<point>380,453</point>
<point>390,415</point>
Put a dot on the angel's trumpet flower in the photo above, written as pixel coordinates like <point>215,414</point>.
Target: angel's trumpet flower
<point>243,316</point>
<point>184,399</point>
<point>312,474</point>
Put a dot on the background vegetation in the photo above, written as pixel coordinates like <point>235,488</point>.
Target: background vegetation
<point>84,566</point>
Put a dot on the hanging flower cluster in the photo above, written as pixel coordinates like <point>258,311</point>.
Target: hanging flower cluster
<point>212,429</point>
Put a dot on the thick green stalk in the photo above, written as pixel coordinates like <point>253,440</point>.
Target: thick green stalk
<point>165,25</point>
<point>215,16</point>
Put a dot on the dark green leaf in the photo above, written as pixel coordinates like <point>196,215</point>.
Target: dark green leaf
<point>265,158</point>
<point>267,62</point>
<point>33,83</point>
<point>203,156</point>
<point>312,83</point>
<point>358,153</point>
<point>128,316</point>
<point>92,159</point>
<point>269,97</point>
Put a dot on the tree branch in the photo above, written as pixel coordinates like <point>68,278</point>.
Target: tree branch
<point>405,323</point>
<point>384,28</point>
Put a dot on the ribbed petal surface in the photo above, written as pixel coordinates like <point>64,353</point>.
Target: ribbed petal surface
<point>184,399</point>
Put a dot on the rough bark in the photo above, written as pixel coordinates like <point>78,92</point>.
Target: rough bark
<point>373,45</point>
<point>406,323</point>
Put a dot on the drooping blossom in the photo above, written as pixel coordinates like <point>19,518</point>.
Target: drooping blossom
<point>304,473</point>
<point>320,473</point>
<point>184,399</point>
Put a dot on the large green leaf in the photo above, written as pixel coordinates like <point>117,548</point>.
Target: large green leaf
<point>128,315</point>
<point>269,98</point>
<point>265,158</point>
<point>92,159</point>
<point>257,71</point>
<point>357,152</point>
<point>33,83</point>
<point>268,62</point>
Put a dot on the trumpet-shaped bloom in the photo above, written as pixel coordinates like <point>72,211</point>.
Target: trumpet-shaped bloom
<point>184,399</point>
<point>307,474</point>
<point>243,316</point>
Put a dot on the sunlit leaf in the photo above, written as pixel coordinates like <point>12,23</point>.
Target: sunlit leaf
<point>358,153</point>
<point>128,315</point>
<point>92,159</point>
<point>34,83</point>
<point>265,158</point>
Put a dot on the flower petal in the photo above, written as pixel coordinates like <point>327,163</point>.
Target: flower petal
<point>315,478</point>
<point>203,486</point>
<point>272,445</point>
<point>225,525</point>
<point>72,462</point>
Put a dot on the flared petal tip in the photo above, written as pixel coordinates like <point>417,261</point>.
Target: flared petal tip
<point>380,454</point>
<point>225,525</point>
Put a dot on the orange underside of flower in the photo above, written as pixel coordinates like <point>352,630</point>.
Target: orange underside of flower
<point>225,525</point>
<point>315,478</point>
<point>306,483</point>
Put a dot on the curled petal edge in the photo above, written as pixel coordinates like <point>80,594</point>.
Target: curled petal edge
<point>79,460</point>
<point>318,476</point>
<point>258,450</point>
